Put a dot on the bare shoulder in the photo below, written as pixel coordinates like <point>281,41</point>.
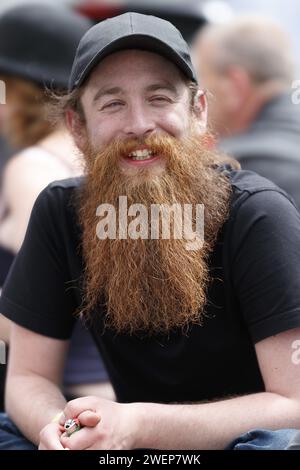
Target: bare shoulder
<point>31,158</point>
<point>33,164</point>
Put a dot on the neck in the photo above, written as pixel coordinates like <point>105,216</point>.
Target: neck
<point>251,107</point>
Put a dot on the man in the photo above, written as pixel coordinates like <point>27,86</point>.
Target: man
<point>179,320</point>
<point>248,68</point>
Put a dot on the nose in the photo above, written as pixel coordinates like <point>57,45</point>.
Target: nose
<point>138,122</point>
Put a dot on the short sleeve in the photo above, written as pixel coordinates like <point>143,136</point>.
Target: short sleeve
<point>265,263</point>
<point>35,294</point>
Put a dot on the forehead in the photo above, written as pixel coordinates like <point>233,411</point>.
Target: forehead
<point>125,66</point>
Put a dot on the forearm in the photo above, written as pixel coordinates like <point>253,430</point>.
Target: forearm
<point>213,425</point>
<point>32,402</point>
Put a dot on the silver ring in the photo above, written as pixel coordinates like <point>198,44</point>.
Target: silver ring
<point>71,426</point>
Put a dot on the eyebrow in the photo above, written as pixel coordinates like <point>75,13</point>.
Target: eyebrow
<point>107,91</point>
<point>118,90</point>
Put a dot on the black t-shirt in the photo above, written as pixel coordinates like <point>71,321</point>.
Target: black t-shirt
<point>255,293</point>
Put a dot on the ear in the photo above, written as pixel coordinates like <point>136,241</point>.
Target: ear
<point>77,128</point>
<point>241,86</point>
<point>200,110</point>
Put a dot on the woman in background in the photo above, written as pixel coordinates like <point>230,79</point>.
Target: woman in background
<point>37,47</point>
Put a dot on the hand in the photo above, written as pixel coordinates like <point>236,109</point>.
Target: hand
<point>50,435</point>
<point>117,426</point>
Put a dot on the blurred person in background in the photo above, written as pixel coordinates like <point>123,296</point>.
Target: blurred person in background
<point>247,67</point>
<point>5,150</point>
<point>40,56</point>
<point>6,256</point>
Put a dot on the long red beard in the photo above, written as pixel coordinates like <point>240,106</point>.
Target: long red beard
<point>150,285</point>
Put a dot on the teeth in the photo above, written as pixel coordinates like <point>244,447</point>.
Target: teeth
<point>141,154</point>
<point>141,158</point>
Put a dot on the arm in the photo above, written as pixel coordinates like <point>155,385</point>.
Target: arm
<point>35,368</point>
<point>36,299</point>
<point>215,425</point>
<point>198,426</point>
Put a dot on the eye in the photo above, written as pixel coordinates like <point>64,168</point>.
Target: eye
<point>112,105</point>
<point>160,100</point>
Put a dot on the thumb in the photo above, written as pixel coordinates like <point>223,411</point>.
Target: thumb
<point>89,418</point>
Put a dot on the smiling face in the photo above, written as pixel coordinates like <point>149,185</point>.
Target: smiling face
<point>133,94</point>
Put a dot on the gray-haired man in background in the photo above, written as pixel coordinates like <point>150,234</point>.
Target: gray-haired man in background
<point>248,68</point>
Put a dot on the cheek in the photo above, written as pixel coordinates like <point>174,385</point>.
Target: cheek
<point>176,123</point>
<point>100,132</point>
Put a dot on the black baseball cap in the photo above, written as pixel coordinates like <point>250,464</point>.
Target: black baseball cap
<point>130,31</point>
<point>38,42</point>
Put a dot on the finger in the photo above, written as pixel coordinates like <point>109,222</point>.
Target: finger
<point>52,444</point>
<point>89,418</point>
<point>80,440</point>
<point>77,406</point>
<point>50,438</point>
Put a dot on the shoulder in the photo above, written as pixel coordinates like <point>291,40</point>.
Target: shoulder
<point>260,212</point>
<point>30,155</point>
<point>66,185</point>
<point>31,166</point>
<point>54,216</point>
<point>258,202</point>
<point>249,181</point>
<point>255,189</point>
<point>62,190</point>
<point>15,164</point>
<point>59,198</point>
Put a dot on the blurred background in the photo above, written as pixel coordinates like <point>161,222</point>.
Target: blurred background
<point>188,15</point>
<point>286,12</point>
